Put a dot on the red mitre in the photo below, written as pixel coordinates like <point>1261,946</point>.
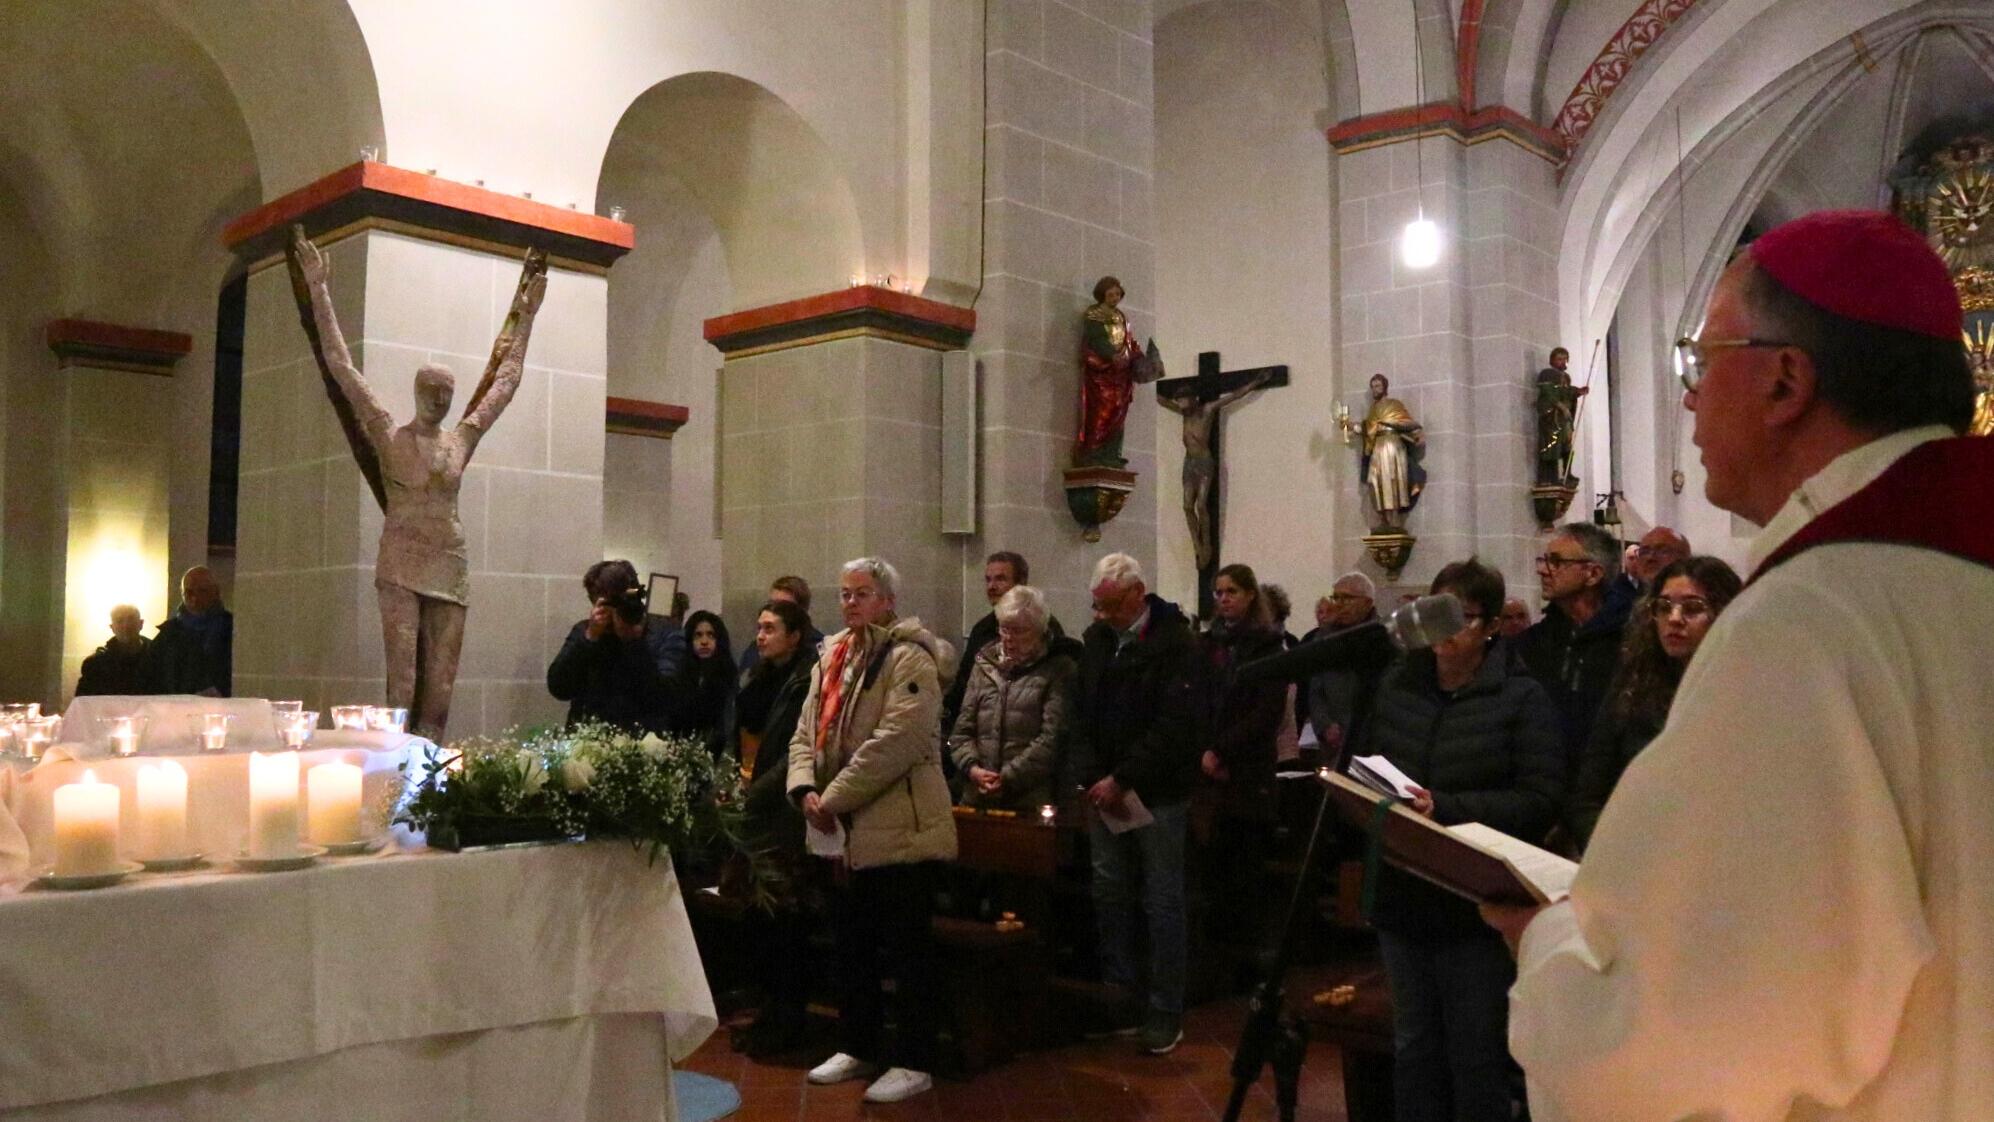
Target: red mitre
<point>1863,265</point>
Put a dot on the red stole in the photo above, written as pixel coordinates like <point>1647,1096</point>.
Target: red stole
<point>1938,496</point>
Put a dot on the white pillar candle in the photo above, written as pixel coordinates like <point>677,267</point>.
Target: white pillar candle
<point>162,811</point>
<point>273,804</point>
<point>332,792</point>
<point>86,827</point>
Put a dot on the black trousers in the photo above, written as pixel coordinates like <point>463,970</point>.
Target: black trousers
<point>881,922</point>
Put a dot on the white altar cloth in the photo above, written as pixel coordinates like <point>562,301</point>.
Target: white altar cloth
<point>557,982</point>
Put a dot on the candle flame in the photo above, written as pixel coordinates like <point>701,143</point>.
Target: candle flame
<point>89,776</point>
<point>169,767</point>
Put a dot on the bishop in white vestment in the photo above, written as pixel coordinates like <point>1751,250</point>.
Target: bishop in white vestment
<point>1787,912</point>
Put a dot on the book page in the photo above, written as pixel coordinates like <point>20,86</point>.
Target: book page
<point>1137,817</point>
<point>1381,767</point>
<point>1551,873</point>
<point>825,844</point>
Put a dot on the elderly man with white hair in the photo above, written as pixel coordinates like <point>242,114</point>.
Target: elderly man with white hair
<point>1015,708</point>
<point>1136,744</point>
<point>1337,698</point>
<point>865,762</point>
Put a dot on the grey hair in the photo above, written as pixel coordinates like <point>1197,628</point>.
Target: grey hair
<point>1023,604</point>
<point>1601,548</point>
<point>1118,569</point>
<point>885,577</point>
<point>1358,583</point>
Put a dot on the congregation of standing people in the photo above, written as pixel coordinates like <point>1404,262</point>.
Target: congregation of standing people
<point>855,746</point>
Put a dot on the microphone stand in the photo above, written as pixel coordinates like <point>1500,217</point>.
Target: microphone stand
<point>1269,1036</point>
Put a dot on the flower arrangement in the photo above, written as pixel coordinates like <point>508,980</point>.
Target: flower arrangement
<point>667,793</point>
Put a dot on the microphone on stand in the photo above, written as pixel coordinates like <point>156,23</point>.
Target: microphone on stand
<point>1368,647</point>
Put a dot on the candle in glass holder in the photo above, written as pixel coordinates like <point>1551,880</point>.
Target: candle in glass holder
<point>162,810</point>
<point>296,730</point>
<point>124,733</point>
<point>387,718</point>
<point>86,827</point>
<point>273,804</point>
<point>214,731</point>
<point>282,707</point>
<point>350,716</point>
<point>332,794</point>
<point>36,734</point>
<point>1047,813</point>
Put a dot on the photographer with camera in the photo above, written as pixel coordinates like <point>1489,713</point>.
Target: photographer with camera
<point>617,665</point>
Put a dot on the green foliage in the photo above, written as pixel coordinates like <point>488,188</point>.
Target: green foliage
<point>662,794</point>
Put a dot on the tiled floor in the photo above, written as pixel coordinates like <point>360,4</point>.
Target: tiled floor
<point>1105,1081</point>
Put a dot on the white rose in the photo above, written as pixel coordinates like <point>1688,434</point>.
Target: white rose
<point>576,775</point>
<point>653,746</point>
<point>533,774</point>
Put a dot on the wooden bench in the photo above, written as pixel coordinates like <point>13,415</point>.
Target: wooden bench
<point>1359,1030</point>
<point>999,981</point>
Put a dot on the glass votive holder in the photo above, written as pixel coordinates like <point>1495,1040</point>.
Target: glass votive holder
<point>282,707</point>
<point>36,734</point>
<point>350,716</point>
<point>387,718</point>
<point>297,730</point>
<point>1048,814</point>
<point>16,711</point>
<point>122,734</point>
<point>214,731</point>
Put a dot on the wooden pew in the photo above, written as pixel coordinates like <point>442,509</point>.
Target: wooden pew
<point>999,980</point>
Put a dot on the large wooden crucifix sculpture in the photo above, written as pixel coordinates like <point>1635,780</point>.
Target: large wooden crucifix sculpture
<point>1201,400</point>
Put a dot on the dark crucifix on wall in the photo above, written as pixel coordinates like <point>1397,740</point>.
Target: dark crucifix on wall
<point>1201,400</point>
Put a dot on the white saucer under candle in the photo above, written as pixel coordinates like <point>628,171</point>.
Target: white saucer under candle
<point>86,828</point>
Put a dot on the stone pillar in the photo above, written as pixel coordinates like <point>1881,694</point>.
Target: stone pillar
<point>116,444</point>
<point>422,271</point>
<point>1462,340</point>
<point>830,447</point>
<point>1069,143</point>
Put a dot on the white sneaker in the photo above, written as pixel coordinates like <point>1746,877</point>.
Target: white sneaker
<point>841,1067</point>
<point>898,1083</point>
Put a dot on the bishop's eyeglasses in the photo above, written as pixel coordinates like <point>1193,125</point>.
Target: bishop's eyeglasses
<point>1692,354</point>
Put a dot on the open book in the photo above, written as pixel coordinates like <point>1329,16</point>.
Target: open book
<point>1471,860</point>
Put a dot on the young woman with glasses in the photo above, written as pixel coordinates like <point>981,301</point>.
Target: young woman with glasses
<point>1666,628</point>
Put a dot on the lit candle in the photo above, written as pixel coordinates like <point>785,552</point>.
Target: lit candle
<point>36,734</point>
<point>332,793</point>
<point>296,729</point>
<point>162,810</point>
<point>1047,813</point>
<point>385,718</point>
<point>86,827</point>
<point>273,804</point>
<point>214,731</point>
<point>349,716</point>
<point>124,735</point>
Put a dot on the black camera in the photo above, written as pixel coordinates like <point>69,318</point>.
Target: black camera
<point>630,604</point>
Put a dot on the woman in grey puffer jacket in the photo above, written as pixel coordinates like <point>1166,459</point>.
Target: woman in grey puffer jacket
<point>1008,736</point>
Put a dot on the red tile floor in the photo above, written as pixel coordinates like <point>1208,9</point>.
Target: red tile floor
<point>1103,1081</point>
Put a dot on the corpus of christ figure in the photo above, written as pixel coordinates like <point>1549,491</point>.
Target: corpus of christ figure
<point>421,575</point>
<point>1201,401</point>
